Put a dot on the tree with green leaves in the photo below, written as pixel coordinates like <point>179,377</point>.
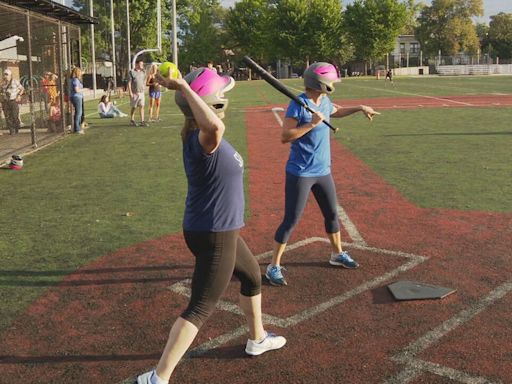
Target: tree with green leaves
<point>249,29</point>
<point>374,26</point>
<point>500,35</point>
<point>413,10</point>
<point>447,26</point>
<point>482,31</point>
<point>305,31</point>
<point>143,30</point>
<point>201,32</point>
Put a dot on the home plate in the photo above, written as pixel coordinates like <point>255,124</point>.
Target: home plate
<point>412,290</point>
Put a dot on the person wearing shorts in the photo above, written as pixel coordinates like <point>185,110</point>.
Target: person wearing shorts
<point>389,76</point>
<point>154,94</point>
<point>214,215</point>
<point>136,87</point>
<point>309,165</point>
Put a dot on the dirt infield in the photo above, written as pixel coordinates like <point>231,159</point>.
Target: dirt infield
<point>109,320</point>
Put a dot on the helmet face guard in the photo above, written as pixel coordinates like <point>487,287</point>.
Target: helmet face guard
<point>321,77</point>
<point>210,87</point>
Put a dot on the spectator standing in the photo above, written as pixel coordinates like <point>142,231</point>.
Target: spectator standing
<point>10,95</point>
<point>211,66</point>
<point>136,87</point>
<point>44,91</point>
<point>51,85</point>
<point>76,97</point>
<point>154,94</point>
<point>389,76</point>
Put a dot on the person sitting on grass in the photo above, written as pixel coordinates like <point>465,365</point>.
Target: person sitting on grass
<point>108,110</point>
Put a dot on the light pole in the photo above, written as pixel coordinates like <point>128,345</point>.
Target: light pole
<point>128,42</point>
<point>174,35</point>
<point>93,53</point>
<point>113,43</point>
<point>159,35</point>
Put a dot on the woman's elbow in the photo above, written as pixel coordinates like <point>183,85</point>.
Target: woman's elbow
<point>285,138</point>
<point>219,127</point>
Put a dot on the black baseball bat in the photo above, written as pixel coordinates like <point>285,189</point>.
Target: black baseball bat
<point>280,86</point>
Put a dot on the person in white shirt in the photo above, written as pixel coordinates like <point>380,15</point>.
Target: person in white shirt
<point>108,110</point>
<point>10,95</point>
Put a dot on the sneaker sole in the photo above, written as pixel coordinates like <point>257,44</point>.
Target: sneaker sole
<point>257,353</point>
<point>273,283</point>
<point>342,265</point>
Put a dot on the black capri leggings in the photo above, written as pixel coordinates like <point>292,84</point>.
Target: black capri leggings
<point>296,196</point>
<point>219,255</point>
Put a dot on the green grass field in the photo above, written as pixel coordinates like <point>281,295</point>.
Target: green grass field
<point>68,206</point>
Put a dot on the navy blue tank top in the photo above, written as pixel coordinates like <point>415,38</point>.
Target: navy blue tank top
<point>215,197</point>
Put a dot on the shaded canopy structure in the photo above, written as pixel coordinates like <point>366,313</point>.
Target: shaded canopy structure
<point>54,10</point>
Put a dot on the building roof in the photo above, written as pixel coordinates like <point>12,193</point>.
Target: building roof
<point>53,9</point>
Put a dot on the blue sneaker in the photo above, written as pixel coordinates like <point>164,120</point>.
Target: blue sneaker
<point>275,276</point>
<point>344,260</point>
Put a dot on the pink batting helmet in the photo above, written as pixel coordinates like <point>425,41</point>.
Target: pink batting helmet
<point>210,87</point>
<point>321,77</point>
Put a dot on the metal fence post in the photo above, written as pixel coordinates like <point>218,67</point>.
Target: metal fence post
<point>31,82</point>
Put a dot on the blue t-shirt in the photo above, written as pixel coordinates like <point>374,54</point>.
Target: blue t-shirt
<point>310,155</point>
<point>215,197</point>
<point>75,82</point>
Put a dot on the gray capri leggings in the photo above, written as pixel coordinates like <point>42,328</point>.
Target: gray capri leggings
<point>219,255</point>
<point>296,195</point>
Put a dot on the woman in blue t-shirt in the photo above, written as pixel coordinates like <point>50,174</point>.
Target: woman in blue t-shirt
<point>214,214</point>
<point>309,165</point>
<point>77,98</point>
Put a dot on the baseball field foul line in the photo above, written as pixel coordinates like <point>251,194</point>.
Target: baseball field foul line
<point>181,288</point>
<point>345,220</point>
<point>418,95</point>
<point>415,366</point>
<point>350,227</point>
<point>414,260</point>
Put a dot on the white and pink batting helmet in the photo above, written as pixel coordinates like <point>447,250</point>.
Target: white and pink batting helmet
<point>210,87</point>
<point>321,77</point>
<point>16,162</point>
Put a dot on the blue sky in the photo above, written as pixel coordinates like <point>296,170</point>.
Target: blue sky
<point>491,7</point>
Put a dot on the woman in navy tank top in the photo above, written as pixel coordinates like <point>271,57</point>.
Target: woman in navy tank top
<point>214,213</point>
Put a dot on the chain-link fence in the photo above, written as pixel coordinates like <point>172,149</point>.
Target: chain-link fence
<point>36,53</point>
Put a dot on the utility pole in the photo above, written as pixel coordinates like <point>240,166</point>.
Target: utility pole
<point>128,42</point>
<point>174,34</point>
<point>93,53</point>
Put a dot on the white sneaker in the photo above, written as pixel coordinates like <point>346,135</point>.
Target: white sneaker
<point>269,343</point>
<point>145,378</point>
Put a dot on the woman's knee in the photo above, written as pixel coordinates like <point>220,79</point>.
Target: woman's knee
<point>332,224</point>
<point>199,313</point>
<point>285,229</point>
<point>251,284</point>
